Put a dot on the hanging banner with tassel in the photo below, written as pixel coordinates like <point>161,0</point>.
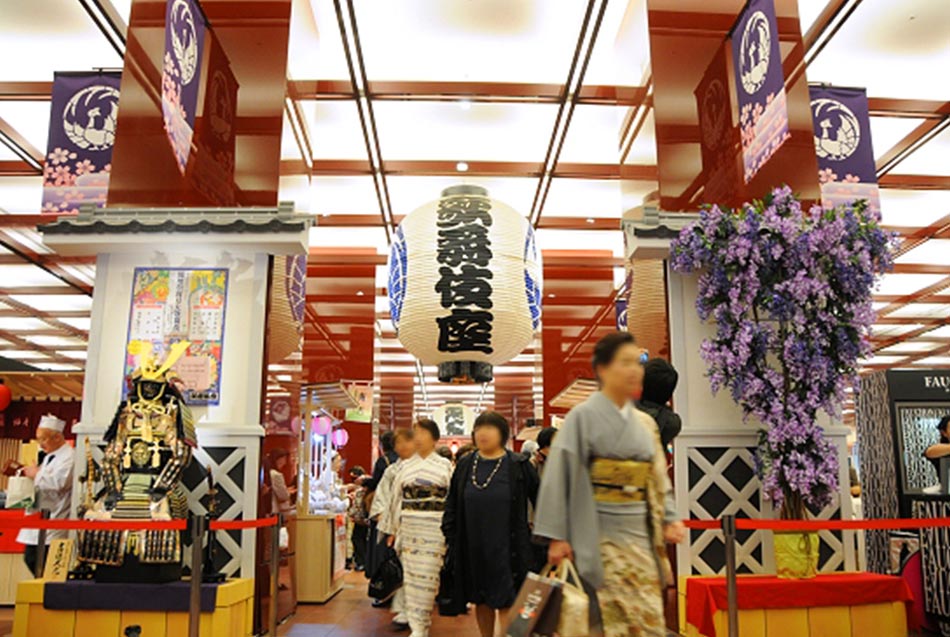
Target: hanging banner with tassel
<point>83,113</point>
<point>760,85</point>
<point>181,74</point>
<point>842,125</point>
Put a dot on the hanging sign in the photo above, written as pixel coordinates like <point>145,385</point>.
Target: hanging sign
<point>81,135</point>
<point>718,135</point>
<point>842,126</point>
<point>176,304</point>
<point>213,168</point>
<point>181,74</point>
<point>760,85</point>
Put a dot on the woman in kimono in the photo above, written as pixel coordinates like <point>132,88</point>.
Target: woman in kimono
<point>382,500</point>
<point>414,520</point>
<point>605,499</point>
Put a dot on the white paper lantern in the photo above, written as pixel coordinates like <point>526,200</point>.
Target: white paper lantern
<point>465,284</point>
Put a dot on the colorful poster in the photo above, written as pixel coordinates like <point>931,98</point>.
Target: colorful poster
<point>340,544</point>
<point>181,74</point>
<point>213,168</point>
<point>760,84</point>
<point>363,394</point>
<point>175,304</point>
<point>842,126</point>
<point>718,135</point>
<point>83,113</point>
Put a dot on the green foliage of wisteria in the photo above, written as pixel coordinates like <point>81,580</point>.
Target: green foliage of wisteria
<point>790,292</point>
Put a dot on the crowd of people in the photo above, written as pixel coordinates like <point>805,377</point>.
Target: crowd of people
<point>468,527</point>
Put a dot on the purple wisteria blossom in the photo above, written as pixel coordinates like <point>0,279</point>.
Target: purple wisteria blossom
<point>790,291</point>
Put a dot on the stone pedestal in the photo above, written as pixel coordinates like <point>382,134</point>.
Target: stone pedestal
<point>239,240</point>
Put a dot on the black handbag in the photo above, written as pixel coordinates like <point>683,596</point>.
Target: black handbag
<point>387,579</point>
<point>449,600</point>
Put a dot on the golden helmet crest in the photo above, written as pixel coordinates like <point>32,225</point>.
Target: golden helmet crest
<point>148,366</point>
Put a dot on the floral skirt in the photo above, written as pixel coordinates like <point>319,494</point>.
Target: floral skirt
<point>631,599</point>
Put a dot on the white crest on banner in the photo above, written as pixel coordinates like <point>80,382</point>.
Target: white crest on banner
<point>184,40</point>
<point>222,107</point>
<point>89,117</point>
<point>713,115</point>
<point>756,48</point>
<point>840,130</point>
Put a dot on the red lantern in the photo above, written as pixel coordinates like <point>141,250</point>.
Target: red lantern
<point>341,437</point>
<point>6,396</point>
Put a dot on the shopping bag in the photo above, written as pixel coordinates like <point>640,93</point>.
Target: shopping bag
<point>574,616</point>
<point>536,609</point>
<point>20,492</point>
<point>450,598</point>
<point>387,579</point>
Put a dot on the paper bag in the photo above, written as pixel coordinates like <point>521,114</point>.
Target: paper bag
<point>536,610</point>
<point>20,492</point>
<point>574,617</point>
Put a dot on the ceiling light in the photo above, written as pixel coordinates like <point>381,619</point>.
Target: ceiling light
<point>590,220</point>
<point>461,167</point>
<point>359,293</point>
<point>551,296</point>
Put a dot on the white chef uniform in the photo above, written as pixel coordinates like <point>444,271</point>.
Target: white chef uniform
<point>53,484</point>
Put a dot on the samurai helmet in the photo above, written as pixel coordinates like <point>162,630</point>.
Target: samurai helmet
<point>148,366</point>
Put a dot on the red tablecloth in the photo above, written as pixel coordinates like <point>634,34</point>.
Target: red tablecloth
<point>706,595</point>
<point>8,543</point>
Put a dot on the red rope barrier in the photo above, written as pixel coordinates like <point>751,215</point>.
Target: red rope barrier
<point>746,524</point>
<point>36,522</point>
<point>230,525</point>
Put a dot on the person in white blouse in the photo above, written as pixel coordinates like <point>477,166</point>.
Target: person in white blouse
<point>53,481</point>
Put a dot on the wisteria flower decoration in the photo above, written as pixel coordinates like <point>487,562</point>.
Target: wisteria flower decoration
<point>790,291</point>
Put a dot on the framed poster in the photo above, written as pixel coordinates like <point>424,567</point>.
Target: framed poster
<point>178,304</point>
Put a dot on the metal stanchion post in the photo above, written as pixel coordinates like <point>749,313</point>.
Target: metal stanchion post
<point>194,605</point>
<point>274,568</point>
<point>41,547</point>
<point>729,537</point>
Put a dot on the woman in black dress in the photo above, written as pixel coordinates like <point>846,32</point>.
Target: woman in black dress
<point>486,524</point>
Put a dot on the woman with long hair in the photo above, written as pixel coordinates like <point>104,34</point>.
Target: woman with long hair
<point>606,501</point>
<point>486,523</point>
<point>413,521</point>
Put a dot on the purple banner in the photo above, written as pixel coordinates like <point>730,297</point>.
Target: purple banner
<point>181,74</point>
<point>81,134</point>
<point>212,172</point>
<point>842,127</point>
<point>621,315</point>
<point>718,135</point>
<point>760,84</point>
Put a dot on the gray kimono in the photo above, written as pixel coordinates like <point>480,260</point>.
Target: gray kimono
<point>596,428</point>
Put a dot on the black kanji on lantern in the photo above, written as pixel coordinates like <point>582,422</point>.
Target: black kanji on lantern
<point>469,286</point>
<point>465,331</point>
<point>464,251</point>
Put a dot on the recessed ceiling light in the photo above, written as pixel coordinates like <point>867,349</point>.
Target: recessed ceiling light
<point>590,220</point>
<point>465,104</point>
<point>461,167</point>
<point>551,296</point>
<point>359,293</point>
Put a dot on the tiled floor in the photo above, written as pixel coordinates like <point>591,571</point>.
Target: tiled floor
<point>350,614</point>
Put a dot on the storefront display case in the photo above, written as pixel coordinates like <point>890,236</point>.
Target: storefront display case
<point>321,540</point>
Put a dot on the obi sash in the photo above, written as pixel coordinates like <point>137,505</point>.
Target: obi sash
<point>620,481</point>
<point>423,498</point>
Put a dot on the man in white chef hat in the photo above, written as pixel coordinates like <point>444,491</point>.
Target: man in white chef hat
<point>53,480</point>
